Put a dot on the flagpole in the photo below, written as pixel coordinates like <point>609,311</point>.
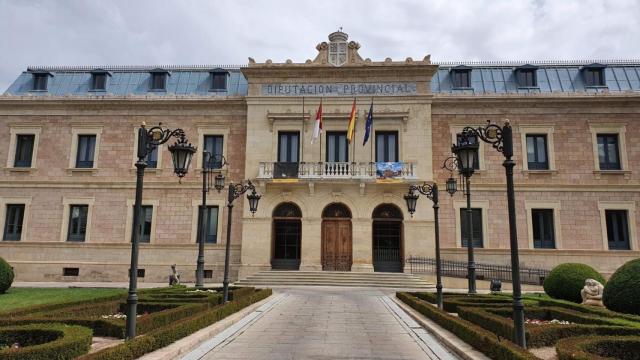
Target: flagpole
<point>302,135</point>
<point>320,136</point>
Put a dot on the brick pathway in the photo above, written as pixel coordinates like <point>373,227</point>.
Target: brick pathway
<point>329,323</point>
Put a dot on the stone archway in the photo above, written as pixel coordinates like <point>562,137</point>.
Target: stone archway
<point>337,239</point>
<point>286,234</point>
<point>387,239</point>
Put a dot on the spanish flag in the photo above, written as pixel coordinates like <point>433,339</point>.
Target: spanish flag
<point>351,130</point>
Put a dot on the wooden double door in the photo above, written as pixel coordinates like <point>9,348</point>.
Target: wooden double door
<point>336,245</point>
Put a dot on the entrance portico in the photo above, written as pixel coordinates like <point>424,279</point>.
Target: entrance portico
<point>328,173</point>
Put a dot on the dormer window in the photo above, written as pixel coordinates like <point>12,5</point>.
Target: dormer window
<point>526,76</point>
<point>40,80</point>
<point>461,77</point>
<point>158,80</point>
<point>218,81</point>
<point>593,75</point>
<point>99,80</point>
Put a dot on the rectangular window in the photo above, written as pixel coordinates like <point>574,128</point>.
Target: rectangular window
<point>98,81</point>
<point>543,229</point>
<point>476,218</point>
<point>13,222</point>
<point>218,81</point>
<point>70,271</point>
<point>24,150</point>
<point>40,82</point>
<point>86,151</point>
<point>77,222</point>
<point>537,152</point>
<point>476,156</point>
<point>608,152</point>
<point>593,77</point>
<point>337,146</point>
<point>152,158</point>
<point>387,146</point>
<point>210,219</point>
<point>617,229</point>
<point>145,223</point>
<point>214,145</point>
<point>288,155</point>
<point>526,78</point>
<point>158,81</point>
<point>461,78</point>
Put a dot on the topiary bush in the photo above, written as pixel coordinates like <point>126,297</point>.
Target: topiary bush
<point>566,280</point>
<point>622,292</point>
<point>6,276</point>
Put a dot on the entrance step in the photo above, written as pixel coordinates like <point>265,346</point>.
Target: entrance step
<point>335,278</point>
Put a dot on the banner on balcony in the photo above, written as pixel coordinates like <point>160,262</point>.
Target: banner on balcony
<point>388,170</point>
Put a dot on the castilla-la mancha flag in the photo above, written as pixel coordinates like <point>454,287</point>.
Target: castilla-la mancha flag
<point>351,130</point>
<point>317,130</point>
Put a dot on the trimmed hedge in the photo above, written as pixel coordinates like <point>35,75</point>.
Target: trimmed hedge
<point>44,308</point>
<point>498,321</point>
<point>168,334</point>
<point>50,341</point>
<point>622,292</point>
<point>481,339</point>
<point>599,348</point>
<point>6,276</point>
<point>621,319</point>
<point>566,280</point>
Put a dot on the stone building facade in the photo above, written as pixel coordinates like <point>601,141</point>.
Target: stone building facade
<point>68,186</point>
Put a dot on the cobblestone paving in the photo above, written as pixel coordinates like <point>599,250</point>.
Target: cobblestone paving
<point>325,323</point>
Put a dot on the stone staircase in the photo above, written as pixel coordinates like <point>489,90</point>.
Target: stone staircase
<point>335,278</point>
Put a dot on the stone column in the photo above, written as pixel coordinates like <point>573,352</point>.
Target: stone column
<point>362,245</point>
<point>311,245</point>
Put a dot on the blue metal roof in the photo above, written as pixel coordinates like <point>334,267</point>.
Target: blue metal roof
<point>497,78</point>
<point>130,81</point>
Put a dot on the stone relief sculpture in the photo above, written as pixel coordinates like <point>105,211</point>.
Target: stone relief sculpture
<point>174,276</point>
<point>592,293</point>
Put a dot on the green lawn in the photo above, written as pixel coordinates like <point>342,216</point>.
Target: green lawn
<point>22,297</point>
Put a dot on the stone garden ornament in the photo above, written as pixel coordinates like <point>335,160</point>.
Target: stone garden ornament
<point>174,277</point>
<point>592,293</point>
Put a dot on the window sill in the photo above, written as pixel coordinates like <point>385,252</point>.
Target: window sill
<point>20,169</point>
<point>82,170</point>
<point>626,173</point>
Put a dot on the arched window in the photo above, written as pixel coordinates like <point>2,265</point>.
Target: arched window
<point>336,210</point>
<point>287,210</point>
<point>387,212</point>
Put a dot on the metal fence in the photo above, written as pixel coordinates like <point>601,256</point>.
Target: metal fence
<point>451,268</point>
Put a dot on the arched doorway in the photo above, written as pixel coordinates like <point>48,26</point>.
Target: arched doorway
<point>287,228</point>
<point>336,238</point>
<point>387,238</point>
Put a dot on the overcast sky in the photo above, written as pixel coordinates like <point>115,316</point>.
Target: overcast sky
<point>74,32</point>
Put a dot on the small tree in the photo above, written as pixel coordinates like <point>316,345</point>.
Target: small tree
<point>6,276</point>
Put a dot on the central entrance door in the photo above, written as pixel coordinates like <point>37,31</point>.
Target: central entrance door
<point>336,238</point>
<point>387,239</point>
<point>287,226</point>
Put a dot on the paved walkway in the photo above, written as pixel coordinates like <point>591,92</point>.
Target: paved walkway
<point>330,323</point>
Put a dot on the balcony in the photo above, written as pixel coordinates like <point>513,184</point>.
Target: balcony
<point>338,171</point>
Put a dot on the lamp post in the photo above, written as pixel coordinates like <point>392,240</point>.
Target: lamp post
<point>210,162</point>
<point>235,191</point>
<point>431,192</point>
<point>465,150</point>
<point>501,138</point>
<point>181,152</point>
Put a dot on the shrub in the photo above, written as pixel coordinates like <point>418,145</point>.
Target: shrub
<point>6,276</point>
<point>599,348</point>
<point>45,341</point>
<point>622,292</point>
<point>566,280</point>
<point>479,338</point>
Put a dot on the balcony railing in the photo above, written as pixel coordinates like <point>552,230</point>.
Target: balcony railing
<point>337,170</point>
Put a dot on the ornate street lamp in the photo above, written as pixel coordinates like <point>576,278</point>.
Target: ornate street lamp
<point>181,152</point>
<point>211,163</point>
<point>501,138</point>
<point>235,191</point>
<point>466,151</point>
<point>431,192</point>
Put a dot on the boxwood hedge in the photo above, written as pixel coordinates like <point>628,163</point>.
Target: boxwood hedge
<point>599,348</point>
<point>45,341</point>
